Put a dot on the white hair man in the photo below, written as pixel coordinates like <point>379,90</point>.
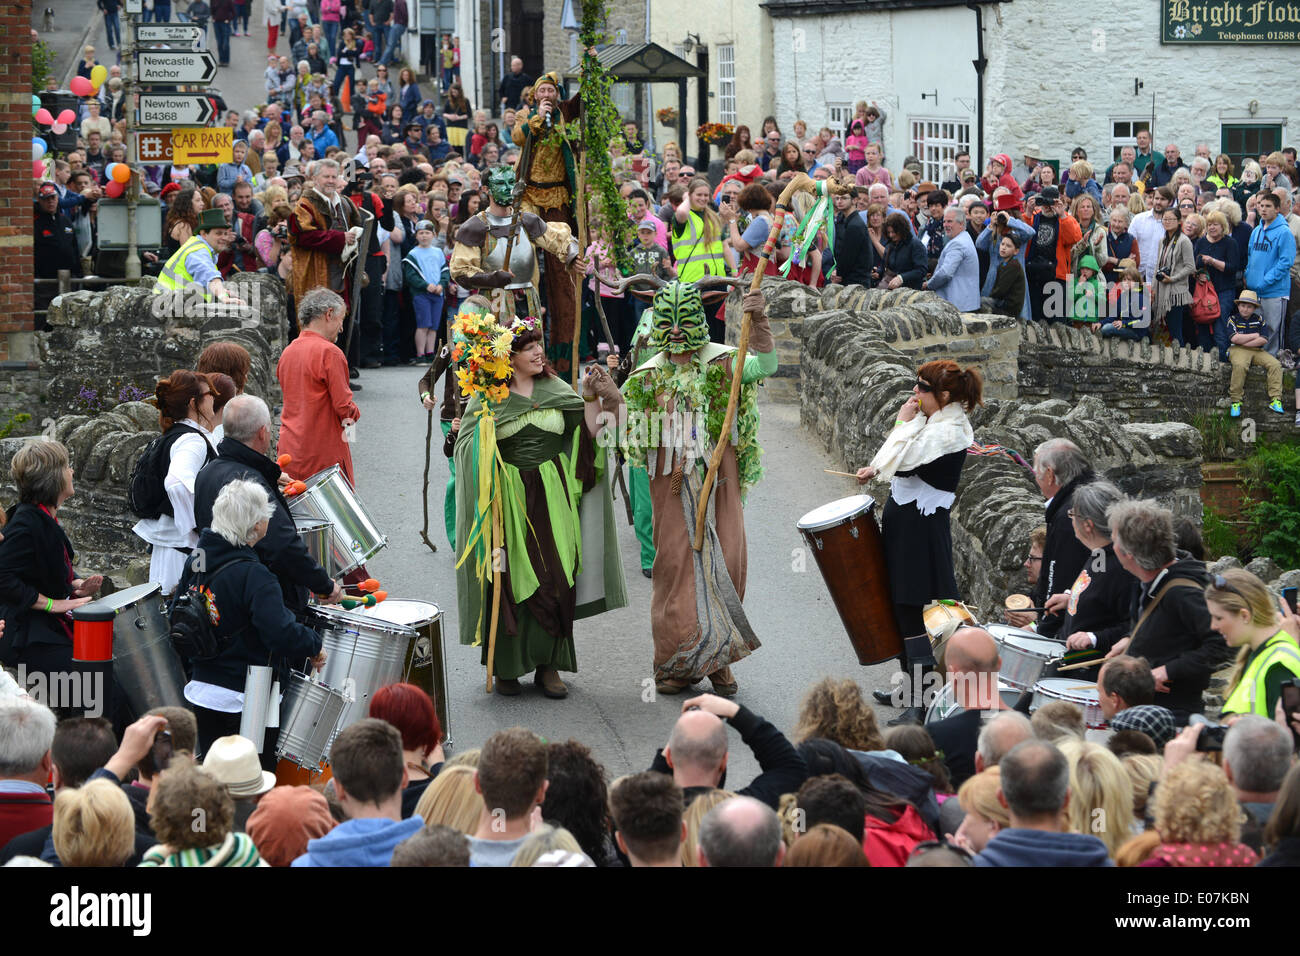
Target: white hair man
<point>741,832</point>
<point>1256,759</point>
<point>1060,466</point>
<point>26,735</point>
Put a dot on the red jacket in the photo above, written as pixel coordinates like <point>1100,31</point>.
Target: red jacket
<point>23,812</point>
<point>890,844</point>
<point>1067,235</point>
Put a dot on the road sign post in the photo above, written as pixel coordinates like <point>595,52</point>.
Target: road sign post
<point>168,110</point>
<point>176,67</point>
<point>169,33</point>
<point>133,154</point>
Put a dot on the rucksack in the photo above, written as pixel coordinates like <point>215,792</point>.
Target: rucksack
<point>1205,301</point>
<point>145,495</point>
<point>192,631</point>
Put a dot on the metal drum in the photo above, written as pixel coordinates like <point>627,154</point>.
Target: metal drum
<point>311,717</point>
<point>330,498</point>
<point>317,536</point>
<point>1025,655</point>
<point>363,654</point>
<point>846,543</point>
<point>145,665</point>
<point>426,664</point>
<point>945,703</point>
<point>1082,693</point>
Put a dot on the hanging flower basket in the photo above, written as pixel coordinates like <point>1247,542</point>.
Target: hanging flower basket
<point>667,116</point>
<point>715,133</point>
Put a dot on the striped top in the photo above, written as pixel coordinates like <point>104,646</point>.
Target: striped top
<point>237,849</point>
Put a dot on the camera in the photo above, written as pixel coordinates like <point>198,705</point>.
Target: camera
<point>1001,219</point>
<point>1043,203</point>
<point>1162,274</point>
<point>1211,738</point>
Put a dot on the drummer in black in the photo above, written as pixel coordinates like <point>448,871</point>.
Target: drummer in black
<point>923,457</point>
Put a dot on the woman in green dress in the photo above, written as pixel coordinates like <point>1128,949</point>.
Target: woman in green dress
<point>560,545</point>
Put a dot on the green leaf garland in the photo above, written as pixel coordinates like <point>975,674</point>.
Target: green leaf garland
<point>601,123</point>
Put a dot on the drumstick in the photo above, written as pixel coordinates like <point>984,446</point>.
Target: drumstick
<point>1078,665</point>
<point>842,474</point>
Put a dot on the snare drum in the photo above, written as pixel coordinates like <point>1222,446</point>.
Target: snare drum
<point>426,665</point>
<point>945,702</point>
<point>847,547</point>
<point>1025,655</point>
<point>363,654</point>
<point>145,665</point>
<point>1079,692</point>
<point>330,498</point>
<point>317,535</point>
<point>311,716</point>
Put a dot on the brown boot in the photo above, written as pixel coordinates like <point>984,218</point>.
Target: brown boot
<point>508,686</point>
<point>671,686</point>
<point>550,682</point>
<point>724,682</point>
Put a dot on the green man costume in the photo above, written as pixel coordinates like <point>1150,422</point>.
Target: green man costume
<point>676,402</point>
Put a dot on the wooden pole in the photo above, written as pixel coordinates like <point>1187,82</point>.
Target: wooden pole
<point>800,183</point>
<point>498,560</point>
<point>580,215</point>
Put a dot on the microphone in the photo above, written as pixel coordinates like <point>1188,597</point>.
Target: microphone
<point>546,118</point>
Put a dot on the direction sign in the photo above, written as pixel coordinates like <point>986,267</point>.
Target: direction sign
<point>201,146</point>
<point>186,33</point>
<point>134,6</point>
<point>161,66</point>
<point>154,147</point>
<point>174,109</point>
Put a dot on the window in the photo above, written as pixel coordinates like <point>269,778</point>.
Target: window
<point>1248,140</point>
<point>1124,133</point>
<point>623,96</point>
<point>727,83</point>
<point>839,116</point>
<point>935,142</point>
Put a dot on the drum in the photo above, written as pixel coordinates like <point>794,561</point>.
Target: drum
<point>363,654</point>
<point>1080,692</point>
<point>426,665</point>
<point>330,498</point>
<point>145,665</point>
<point>945,702</point>
<point>311,715</point>
<point>847,546</point>
<point>317,536</point>
<point>1025,655</point>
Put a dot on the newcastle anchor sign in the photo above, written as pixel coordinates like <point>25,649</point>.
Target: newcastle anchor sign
<point>167,67</point>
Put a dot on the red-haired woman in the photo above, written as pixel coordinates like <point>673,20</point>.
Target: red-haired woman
<point>411,711</point>
<point>189,408</point>
<point>922,458</point>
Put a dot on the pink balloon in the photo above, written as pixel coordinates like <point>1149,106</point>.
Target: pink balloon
<point>67,118</point>
<point>38,168</point>
<point>43,117</point>
<point>114,189</point>
<point>58,129</point>
<point>81,86</point>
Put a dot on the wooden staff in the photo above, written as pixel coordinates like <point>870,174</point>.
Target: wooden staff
<point>428,447</point>
<point>800,183</point>
<point>497,561</point>
<point>580,215</point>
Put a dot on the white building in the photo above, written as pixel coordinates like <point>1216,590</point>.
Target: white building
<point>1059,74</point>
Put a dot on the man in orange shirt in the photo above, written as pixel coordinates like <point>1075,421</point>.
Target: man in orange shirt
<point>318,408</point>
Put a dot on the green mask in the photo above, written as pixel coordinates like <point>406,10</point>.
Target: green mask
<point>679,324</point>
<point>501,185</point>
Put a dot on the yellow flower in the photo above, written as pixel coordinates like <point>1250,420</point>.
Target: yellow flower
<point>501,344</point>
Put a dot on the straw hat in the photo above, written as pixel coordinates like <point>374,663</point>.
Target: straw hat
<point>233,760</point>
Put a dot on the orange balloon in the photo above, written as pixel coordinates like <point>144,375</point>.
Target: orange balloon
<point>122,173</point>
<point>380,596</point>
<point>284,460</point>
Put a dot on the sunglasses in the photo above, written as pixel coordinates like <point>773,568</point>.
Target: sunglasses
<point>924,386</point>
<point>1221,584</point>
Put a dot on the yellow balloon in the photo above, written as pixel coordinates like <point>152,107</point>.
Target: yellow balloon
<point>98,75</point>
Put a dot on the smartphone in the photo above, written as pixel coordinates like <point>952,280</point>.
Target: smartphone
<point>160,754</point>
<point>1290,595</point>
<point>1291,704</point>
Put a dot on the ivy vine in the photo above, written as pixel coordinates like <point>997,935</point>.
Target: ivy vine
<point>601,124</point>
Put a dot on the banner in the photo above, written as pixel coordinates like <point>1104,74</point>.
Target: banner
<point>1227,21</point>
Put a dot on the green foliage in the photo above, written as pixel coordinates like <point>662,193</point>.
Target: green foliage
<point>1219,537</point>
<point>42,58</point>
<point>601,124</point>
<point>1273,482</point>
<point>12,423</point>
<point>1217,434</point>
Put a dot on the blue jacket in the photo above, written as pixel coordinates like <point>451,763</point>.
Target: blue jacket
<point>322,140</point>
<point>908,260</point>
<point>1073,188</point>
<point>1269,259</point>
<point>230,173</point>
<point>985,244</point>
<point>1016,847</point>
<point>369,841</point>
<point>957,273</point>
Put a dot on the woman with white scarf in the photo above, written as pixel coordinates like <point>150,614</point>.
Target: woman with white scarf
<point>922,458</point>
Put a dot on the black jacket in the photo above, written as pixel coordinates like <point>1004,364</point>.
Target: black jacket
<point>1177,635</point>
<point>34,559</point>
<point>1104,601</point>
<point>784,771</point>
<point>907,259</point>
<point>1063,555</point>
<point>1286,853</point>
<point>247,604</point>
<point>855,256</point>
<point>54,245</point>
<point>512,88</point>
<point>282,550</point>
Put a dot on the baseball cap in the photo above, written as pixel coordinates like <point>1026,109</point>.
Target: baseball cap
<point>47,189</point>
<point>645,226</point>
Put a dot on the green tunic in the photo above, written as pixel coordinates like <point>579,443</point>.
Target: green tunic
<point>558,526</point>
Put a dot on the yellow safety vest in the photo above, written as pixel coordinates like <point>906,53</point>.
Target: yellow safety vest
<point>693,256</point>
<point>1248,696</point>
<point>174,276</point>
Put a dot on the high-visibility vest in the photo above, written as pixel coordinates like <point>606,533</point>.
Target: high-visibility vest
<point>1248,696</point>
<point>694,256</point>
<point>174,276</point>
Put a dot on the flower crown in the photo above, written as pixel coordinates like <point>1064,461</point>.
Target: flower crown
<point>521,326</point>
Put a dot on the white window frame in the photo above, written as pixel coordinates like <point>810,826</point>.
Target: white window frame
<point>727,83</point>
<point>1118,142</point>
<point>935,141</point>
<point>839,117</point>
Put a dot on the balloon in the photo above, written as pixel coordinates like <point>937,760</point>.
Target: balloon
<point>81,86</point>
<point>58,129</point>
<point>67,118</point>
<point>43,117</point>
<point>98,75</point>
<point>113,190</point>
<point>122,174</point>
<point>108,172</point>
<point>36,103</point>
<point>38,169</point>
<point>38,147</point>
